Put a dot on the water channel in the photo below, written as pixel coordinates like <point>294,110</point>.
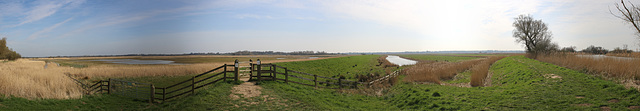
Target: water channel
<point>400,61</point>
<point>134,61</point>
<point>604,56</point>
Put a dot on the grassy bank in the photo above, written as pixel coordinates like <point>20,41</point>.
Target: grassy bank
<point>520,83</point>
<point>349,67</point>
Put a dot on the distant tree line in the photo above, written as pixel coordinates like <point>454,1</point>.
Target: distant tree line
<point>6,53</point>
<point>281,53</point>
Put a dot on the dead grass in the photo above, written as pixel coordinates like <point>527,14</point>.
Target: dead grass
<point>608,67</point>
<point>29,79</point>
<point>480,71</point>
<point>434,72</point>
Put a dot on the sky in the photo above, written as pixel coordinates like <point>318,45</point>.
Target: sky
<point>43,28</point>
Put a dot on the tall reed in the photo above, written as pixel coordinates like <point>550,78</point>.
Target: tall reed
<point>608,67</point>
<point>434,72</point>
<point>480,71</point>
<point>29,79</point>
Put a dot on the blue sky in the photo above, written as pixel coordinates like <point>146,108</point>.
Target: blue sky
<point>95,27</point>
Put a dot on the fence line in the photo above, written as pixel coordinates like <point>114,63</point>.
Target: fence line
<point>147,91</point>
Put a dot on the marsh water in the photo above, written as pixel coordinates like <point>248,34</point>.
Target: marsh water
<point>400,61</point>
<point>604,56</point>
<point>134,61</point>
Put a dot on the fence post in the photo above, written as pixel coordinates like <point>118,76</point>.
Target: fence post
<point>340,83</point>
<point>250,70</point>
<point>164,92</point>
<point>153,93</point>
<point>355,85</point>
<point>236,65</point>
<point>109,86</point>
<point>193,85</point>
<point>273,72</point>
<point>315,81</point>
<point>259,72</point>
<point>286,75</point>
<point>225,73</point>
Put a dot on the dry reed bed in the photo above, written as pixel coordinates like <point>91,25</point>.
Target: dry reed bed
<point>118,71</point>
<point>480,71</point>
<point>633,54</point>
<point>434,72</point>
<point>29,79</point>
<point>608,67</point>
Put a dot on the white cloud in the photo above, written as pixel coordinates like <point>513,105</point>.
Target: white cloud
<point>48,29</point>
<point>43,9</point>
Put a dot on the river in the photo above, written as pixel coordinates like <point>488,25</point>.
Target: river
<point>400,61</point>
<point>604,56</point>
<point>134,61</point>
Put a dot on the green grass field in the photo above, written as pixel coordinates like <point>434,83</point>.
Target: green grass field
<point>334,67</point>
<point>518,83</point>
<point>434,57</point>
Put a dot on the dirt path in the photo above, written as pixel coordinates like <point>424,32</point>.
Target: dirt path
<point>246,89</point>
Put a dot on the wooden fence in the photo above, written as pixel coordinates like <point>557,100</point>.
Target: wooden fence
<point>261,72</point>
<point>97,87</point>
<point>280,73</point>
<point>196,82</point>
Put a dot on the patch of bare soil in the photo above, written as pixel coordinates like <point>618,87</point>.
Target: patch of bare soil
<point>457,84</point>
<point>613,101</point>
<point>579,96</point>
<point>552,76</point>
<point>487,80</point>
<point>605,108</point>
<point>246,90</point>
<point>630,83</point>
<point>634,107</point>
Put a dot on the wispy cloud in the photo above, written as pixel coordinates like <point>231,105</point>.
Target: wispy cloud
<point>44,9</point>
<point>48,29</point>
<point>253,16</point>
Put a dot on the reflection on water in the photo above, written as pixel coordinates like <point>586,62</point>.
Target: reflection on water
<point>604,56</point>
<point>134,61</point>
<point>400,61</point>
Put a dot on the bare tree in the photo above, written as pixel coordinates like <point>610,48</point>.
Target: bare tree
<point>534,34</point>
<point>629,13</point>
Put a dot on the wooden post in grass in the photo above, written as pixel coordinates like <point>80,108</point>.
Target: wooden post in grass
<point>315,81</point>
<point>286,75</point>
<point>108,87</point>
<point>224,77</point>
<point>193,84</point>
<point>340,83</point>
<point>273,72</point>
<point>236,66</point>
<point>259,71</point>
<point>164,92</point>
<point>355,84</point>
<point>153,92</point>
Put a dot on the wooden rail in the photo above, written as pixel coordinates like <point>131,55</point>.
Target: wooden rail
<point>190,85</point>
<point>279,73</point>
<point>275,73</point>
